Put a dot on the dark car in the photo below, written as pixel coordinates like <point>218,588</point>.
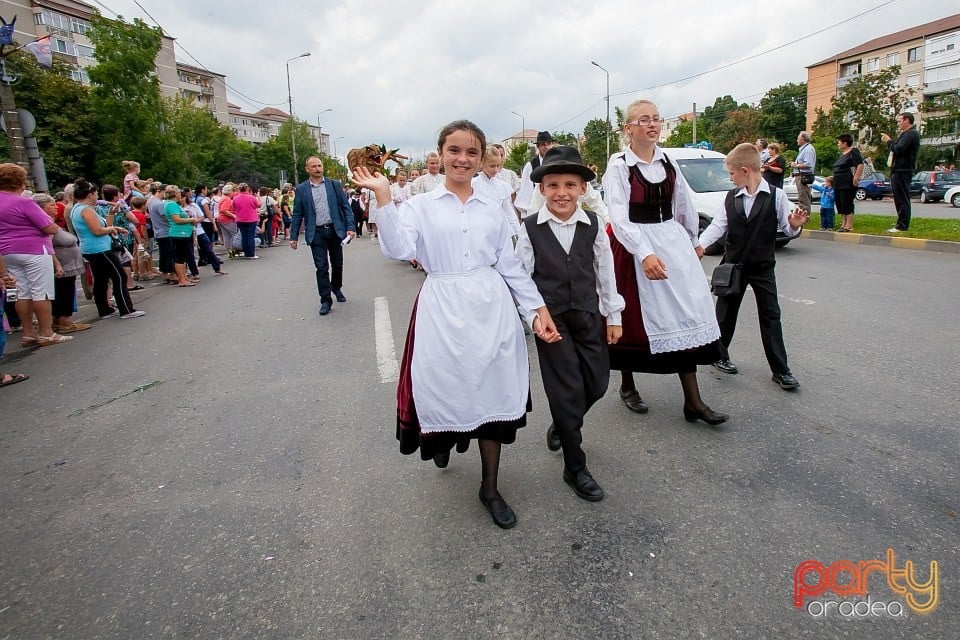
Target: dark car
<point>873,186</point>
<point>932,185</point>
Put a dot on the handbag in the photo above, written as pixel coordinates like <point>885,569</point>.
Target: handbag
<point>116,244</point>
<point>806,178</point>
<point>727,278</point>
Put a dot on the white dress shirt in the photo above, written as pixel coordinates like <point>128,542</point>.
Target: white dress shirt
<point>611,302</point>
<point>719,225</point>
<point>525,192</point>
<point>499,190</point>
<point>511,178</point>
<point>426,183</point>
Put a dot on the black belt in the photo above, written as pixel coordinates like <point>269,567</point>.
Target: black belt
<point>329,225</point>
<point>650,213</point>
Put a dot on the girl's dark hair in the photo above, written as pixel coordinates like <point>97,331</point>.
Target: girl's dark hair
<point>82,188</point>
<point>463,125</point>
<point>110,192</point>
<point>185,194</point>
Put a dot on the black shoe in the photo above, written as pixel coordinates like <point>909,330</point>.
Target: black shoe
<point>325,308</point>
<point>725,365</point>
<point>786,380</point>
<point>553,438</point>
<point>503,516</point>
<point>633,401</point>
<point>706,414</point>
<point>442,460</point>
<point>339,296</point>
<point>583,484</point>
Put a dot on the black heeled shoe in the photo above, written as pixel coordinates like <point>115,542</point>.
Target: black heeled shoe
<point>706,414</point>
<point>503,517</point>
<point>442,460</point>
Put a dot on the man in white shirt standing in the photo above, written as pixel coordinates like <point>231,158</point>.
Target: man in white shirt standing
<point>431,179</point>
<point>522,202</point>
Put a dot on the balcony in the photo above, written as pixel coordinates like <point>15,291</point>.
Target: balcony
<point>206,91</point>
<point>842,82</point>
<point>950,85</point>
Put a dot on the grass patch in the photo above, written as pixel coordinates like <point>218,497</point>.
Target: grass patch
<point>925,228</point>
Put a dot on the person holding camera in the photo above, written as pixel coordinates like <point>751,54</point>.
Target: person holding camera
<point>803,168</point>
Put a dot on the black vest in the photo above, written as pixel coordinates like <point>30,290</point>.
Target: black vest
<point>739,229</point>
<point>566,281</point>
<point>534,163</point>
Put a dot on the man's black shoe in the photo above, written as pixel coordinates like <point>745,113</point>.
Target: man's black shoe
<point>583,484</point>
<point>339,295</point>
<point>786,380</point>
<point>553,438</point>
<point>325,308</point>
<point>725,365</point>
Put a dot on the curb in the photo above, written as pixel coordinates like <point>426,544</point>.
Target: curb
<point>917,244</point>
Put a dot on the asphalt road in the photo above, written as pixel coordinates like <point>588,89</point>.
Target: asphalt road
<point>884,207</point>
<point>253,489</point>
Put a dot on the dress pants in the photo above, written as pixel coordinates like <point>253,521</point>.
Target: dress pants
<point>576,373</point>
<point>326,243</point>
<point>803,192</point>
<point>900,181</point>
<point>165,246</point>
<point>764,283</point>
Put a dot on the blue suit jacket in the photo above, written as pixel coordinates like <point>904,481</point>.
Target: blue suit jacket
<point>306,214</point>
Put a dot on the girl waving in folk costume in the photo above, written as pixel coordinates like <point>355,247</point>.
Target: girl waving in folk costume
<point>465,372</point>
<point>669,324</point>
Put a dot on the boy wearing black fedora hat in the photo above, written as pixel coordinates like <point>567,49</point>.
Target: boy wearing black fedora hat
<point>568,255</point>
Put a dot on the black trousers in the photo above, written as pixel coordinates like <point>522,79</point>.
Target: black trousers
<point>64,291</point>
<point>106,270</point>
<point>165,246</point>
<point>326,244</point>
<point>763,280</point>
<point>576,373</point>
<point>900,181</point>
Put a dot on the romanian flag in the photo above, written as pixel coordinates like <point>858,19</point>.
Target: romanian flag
<point>40,48</point>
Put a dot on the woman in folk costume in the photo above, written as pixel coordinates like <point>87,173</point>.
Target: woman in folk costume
<point>465,372</point>
<point>669,324</point>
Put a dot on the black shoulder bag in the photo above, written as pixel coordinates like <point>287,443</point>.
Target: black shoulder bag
<point>727,278</point>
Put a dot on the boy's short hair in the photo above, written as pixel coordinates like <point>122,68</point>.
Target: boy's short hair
<point>138,201</point>
<point>828,180</point>
<point>744,155</point>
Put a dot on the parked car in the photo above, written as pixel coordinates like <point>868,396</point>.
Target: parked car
<point>931,186</point>
<point>873,186</point>
<point>952,196</point>
<point>791,190</point>
<point>706,173</point>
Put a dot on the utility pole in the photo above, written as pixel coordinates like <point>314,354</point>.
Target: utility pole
<point>694,124</point>
<point>608,104</point>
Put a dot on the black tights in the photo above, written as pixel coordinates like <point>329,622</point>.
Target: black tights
<point>490,466</point>
<point>688,381</point>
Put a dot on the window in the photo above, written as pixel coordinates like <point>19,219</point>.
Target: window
<point>938,74</point>
<point>873,64</point>
<point>84,51</point>
<point>80,75</point>
<point>63,46</point>
<point>850,69</point>
<point>913,80</point>
<point>893,59</point>
<point>914,55</point>
<point>39,18</point>
<point>79,26</point>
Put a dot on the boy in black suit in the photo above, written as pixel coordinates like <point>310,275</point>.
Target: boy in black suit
<point>568,255</point>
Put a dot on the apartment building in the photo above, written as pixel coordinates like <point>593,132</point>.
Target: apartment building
<point>262,125</point>
<point>928,56</point>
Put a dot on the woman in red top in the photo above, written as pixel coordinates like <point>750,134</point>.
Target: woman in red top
<point>246,206</point>
<point>227,220</point>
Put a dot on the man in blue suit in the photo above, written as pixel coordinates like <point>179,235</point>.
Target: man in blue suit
<point>321,207</point>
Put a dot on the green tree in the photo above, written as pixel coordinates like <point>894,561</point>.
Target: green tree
<point>65,123</point>
<point>594,150</point>
<point>829,124</point>
<point>682,134</point>
<point>870,104</point>
<point>276,153</point>
<point>739,125</point>
<point>783,112</point>
<point>125,95</point>
<point>827,154</point>
<point>714,115</point>
<point>518,156</point>
<point>565,138</point>
<point>192,139</point>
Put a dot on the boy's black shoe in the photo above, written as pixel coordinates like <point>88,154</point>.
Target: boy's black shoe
<point>725,365</point>
<point>553,438</point>
<point>786,380</point>
<point>583,484</point>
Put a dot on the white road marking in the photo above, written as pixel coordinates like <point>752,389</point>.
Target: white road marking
<point>386,353</point>
<point>797,300</point>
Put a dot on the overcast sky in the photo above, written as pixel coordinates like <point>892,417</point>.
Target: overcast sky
<point>395,72</point>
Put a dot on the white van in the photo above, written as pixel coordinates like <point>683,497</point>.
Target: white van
<point>706,173</point>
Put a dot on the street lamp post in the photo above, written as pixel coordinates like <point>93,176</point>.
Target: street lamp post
<point>320,130</point>
<point>523,127</point>
<point>293,122</point>
<point>608,104</point>
<point>336,157</point>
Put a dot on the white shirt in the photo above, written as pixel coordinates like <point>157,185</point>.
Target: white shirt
<point>616,189</point>
<point>611,302</point>
<point>511,178</point>
<point>399,194</point>
<point>525,192</point>
<point>499,190</point>
<point>719,225</point>
<point>193,211</point>
<point>591,199</point>
<point>426,183</point>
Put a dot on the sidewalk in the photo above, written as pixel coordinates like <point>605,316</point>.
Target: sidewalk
<point>941,246</point>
